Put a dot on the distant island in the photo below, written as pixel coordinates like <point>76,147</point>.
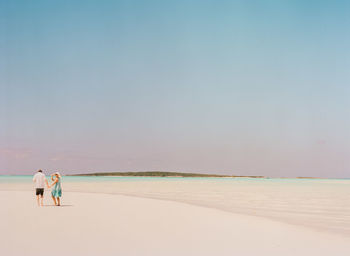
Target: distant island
<point>162,174</point>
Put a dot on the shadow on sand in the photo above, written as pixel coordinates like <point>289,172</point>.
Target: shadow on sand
<point>62,205</point>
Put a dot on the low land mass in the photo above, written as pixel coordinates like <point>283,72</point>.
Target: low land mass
<point>161,174</point>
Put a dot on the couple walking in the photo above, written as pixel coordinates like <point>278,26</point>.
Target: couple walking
<point>40,181</point>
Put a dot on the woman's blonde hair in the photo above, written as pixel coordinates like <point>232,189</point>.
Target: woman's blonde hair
<point>57,174</point>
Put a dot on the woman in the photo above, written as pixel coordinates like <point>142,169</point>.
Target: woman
<point>56,192</point>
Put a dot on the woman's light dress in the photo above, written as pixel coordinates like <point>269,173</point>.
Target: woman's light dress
<point>57,191</point>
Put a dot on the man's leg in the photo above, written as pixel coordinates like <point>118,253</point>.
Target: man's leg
<point>42,200</point>
<point>37,199</point>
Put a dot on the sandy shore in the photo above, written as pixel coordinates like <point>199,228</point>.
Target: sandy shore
<point>321,205</point>
<point>102,224</point>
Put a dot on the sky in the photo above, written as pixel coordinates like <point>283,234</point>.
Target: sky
<point>227,87</point>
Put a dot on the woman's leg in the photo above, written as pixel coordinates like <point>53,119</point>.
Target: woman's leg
<point>58,200</point>
<point>54,199</point>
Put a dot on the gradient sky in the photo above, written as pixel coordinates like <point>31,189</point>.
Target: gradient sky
<point>231,87</point>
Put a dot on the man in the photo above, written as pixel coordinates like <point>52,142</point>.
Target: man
<point>40,181</point>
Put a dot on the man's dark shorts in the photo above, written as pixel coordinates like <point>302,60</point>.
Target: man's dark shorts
<point>39,191</point>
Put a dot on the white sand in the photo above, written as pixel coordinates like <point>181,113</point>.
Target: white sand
<point>102,224</point>
<point>322,205</point>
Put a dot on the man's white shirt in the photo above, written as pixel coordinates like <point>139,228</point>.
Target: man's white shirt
<point>39,179</point>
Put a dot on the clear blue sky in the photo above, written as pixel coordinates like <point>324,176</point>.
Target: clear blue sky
<point>236,87</point>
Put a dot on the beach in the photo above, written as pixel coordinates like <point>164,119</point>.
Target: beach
<point>111,216</point>
<point>174,128</point>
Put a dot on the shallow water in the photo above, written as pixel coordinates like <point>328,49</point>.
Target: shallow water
<point>322,204</point>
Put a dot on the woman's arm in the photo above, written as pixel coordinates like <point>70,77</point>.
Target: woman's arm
<point>54,182</point>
